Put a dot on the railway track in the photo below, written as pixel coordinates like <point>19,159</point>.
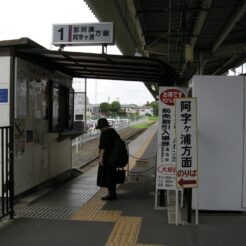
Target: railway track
<point>88,153</point>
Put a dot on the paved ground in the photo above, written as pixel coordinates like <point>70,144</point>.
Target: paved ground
<point>75,215</point>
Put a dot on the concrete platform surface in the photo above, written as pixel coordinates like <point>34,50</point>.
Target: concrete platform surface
<point>74,213</point>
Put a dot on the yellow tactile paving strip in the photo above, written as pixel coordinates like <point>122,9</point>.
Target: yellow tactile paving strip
<point>126,228</point>
<point>91,209</point>
<point>149,245</point>
<point>125,231</point>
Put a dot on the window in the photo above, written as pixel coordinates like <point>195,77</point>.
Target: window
<point>60,107</point>
<point>79,117</point>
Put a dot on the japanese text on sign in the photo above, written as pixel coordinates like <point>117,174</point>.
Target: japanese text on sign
<point>79,34</point>
<point>166,151</point>
<point>186,135</point>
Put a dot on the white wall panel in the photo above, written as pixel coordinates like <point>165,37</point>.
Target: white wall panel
<point>43,157</point>
<point>244,163</point>
<point>220,141</point>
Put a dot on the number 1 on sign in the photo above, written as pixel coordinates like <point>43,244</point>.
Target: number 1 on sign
<point>61,33</point>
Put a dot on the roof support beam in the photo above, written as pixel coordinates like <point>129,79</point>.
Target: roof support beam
<point>222,67</point>
<point>231,50</point>
<point>139,31</point>
<point>206,4</point>
<point>235,17</point>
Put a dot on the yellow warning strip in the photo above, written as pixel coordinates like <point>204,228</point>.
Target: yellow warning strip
<point>149,244</point>
<point>90,209</point>
<point>126,228</point>
<point>107,216</point>
<point>125,231</point>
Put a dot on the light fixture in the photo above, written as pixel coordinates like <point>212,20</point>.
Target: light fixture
<point>153,87</point>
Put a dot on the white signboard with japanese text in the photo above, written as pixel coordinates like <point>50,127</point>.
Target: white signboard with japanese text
<point>186,139</point>
<point>83,34</point>
<point>166,150</point>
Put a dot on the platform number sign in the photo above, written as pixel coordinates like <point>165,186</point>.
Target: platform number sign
<point>83,34</point>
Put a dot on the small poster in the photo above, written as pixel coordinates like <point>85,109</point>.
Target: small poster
<point>19,138</point>
<point>21,91</point>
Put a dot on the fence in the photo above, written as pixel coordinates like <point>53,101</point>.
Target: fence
<point>6,172</point>
<point>92,133</point>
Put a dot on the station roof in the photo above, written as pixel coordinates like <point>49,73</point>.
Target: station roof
<point>193,36</point>
<point>96,66</point>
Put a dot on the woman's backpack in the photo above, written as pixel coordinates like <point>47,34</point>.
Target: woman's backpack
<point>119,156</point>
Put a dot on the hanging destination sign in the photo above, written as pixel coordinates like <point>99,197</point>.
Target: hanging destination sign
<point>83,34</point>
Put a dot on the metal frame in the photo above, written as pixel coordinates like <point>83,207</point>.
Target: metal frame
<point>179,32</point>
<point>7,172</point>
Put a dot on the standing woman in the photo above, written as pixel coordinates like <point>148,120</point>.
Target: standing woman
<point>106,172</point>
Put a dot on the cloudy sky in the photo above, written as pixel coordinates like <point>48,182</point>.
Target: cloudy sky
<point>34,19</point>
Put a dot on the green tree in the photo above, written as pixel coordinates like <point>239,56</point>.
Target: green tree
<point>115,107</point>
<point>155,106</point>
<point>105,107</point>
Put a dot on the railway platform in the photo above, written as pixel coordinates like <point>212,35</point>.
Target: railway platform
<point>74,214</point>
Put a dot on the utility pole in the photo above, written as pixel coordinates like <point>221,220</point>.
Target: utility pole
<point>95,91</point>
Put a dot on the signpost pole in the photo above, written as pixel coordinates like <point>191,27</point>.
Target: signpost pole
<point>177,206</point>
<point>182,198</point>
<point>162,201</point>
<point>104,49</point>
<point>197,207</point>
<point>189,194</point>
<point>61,47</point>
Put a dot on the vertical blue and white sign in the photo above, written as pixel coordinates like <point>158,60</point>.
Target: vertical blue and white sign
<point>166,142</point>
<point>186,138</point>
<point>4,97</point>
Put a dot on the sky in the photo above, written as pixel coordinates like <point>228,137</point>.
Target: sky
<point>34,19</point>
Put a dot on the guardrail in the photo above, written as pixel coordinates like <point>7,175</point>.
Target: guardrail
<point>6,172</point>
<point>94,133</point>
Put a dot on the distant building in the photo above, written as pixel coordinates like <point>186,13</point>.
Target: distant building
<point>135,109</point>
<point>93,110</point>
<point>79,106</point>
<point>145,110</point>
<point>129,108</point>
